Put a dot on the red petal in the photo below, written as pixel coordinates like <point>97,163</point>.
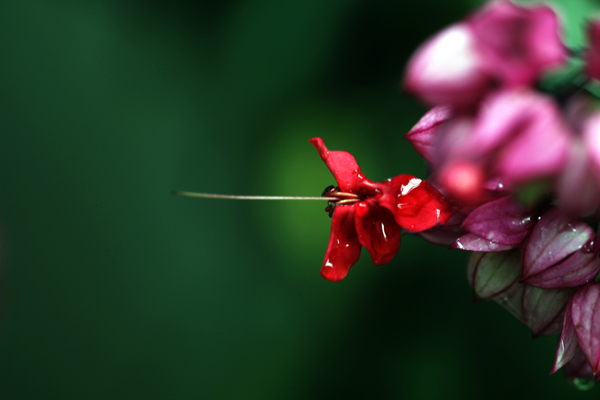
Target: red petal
<point>343,250</point>
<point>416,204</point>
<point>377,231</point>
<point>342,165</point>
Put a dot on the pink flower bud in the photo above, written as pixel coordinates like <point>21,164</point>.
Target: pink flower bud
<point>577,186</point>
<point>591,141</point>
<point>447,69</point>
<point>520,135</point>
<point>517,43</point>
<point>463,180</point>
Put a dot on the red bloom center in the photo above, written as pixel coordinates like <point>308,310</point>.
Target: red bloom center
<point>372,214</point>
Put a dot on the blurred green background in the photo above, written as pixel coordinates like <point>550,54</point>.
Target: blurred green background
<point>114,289</point>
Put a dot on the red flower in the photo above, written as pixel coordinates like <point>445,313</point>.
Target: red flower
<point>372,214</point>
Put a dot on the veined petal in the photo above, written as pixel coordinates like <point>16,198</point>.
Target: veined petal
<point>491,274</point>
<point>586,319</point>
<point>512,300</point>
<point>343,250</point>
<point>580,268</point>
<point>543,309</point>
<point>554,237</point>
<point>342,165</point>
<point>567,345</point>
<point>416,204</point>
<point>501,221</point>
<point>377,230</point>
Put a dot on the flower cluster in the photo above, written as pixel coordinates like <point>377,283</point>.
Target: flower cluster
<point>521,168</point>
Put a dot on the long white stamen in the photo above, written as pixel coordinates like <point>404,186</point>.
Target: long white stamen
<point>234,197</point>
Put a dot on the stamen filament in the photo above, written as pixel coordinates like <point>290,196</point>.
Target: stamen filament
<point>234,197</point>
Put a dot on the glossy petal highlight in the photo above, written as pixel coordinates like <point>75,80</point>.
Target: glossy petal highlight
<point>418,206</point>
<point>377,231</point>
<point>567,345</point>
<point>343,250</point>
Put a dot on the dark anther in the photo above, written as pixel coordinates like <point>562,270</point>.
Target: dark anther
<point>330,209</point>
<point>328,190</point>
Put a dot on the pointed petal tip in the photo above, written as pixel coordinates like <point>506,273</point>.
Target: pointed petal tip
<point>330,274</point>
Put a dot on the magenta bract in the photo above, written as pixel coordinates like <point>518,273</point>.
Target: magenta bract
<point>502,221</point>
<point>581,329</point>
<point>567,345</point>
<point>497,225</point>
<point>520,135</point>
<point>555,237</point>
<point>585,309</point>
<point>424,134</point>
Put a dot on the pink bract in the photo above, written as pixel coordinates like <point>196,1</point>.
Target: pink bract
<point>520,135</point>
<point>423,135</point>
<point>498,225</point>
<point>517,43</point>
<point>581,329</point>
<point>554,240</point>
